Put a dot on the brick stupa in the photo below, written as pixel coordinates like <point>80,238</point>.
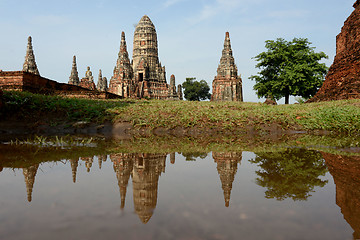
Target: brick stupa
<point>227,85</point>
<point>74,76</point>
<point>144,76</point>
<point>343,79</point>
<point>30,64</point>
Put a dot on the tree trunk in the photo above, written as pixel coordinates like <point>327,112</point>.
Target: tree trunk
<point>287,98</point>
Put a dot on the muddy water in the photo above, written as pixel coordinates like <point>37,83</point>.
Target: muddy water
<point>84,194</point>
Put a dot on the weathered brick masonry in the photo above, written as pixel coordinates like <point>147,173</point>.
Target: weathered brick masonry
<point>343,79</point>
<point>144,76</point>
<point>26,81</point>
<point>227,85</point>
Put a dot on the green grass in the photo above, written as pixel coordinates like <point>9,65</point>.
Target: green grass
<point>335,116</point>
<point>342,116</point>
<point>26,104</point>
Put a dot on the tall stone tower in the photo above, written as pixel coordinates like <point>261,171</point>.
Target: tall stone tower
<point>121,81</point>
<point>102,83</point>
<point>146,63</point>
<point>144,77</point>
<point>74,76</point>
<point>172,89</point>
<point>30,64</point>
<point>227,85</point>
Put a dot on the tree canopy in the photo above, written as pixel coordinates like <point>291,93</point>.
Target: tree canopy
<point>195,90</point>
<point>289,68</point>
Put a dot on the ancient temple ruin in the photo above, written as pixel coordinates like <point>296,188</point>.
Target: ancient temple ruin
<point>227,85</point>
<point>74,76</point>
<point>102,83</point>
<point>144,76</point>
<point>343,78</point>
<point>88,80</point>
<point>30,64</point>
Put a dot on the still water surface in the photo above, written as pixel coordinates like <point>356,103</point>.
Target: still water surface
<point>238,195</point>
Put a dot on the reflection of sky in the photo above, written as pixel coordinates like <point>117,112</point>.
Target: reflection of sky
<point>190,203</point>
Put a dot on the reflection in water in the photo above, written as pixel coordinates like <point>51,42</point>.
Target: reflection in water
<point>101,159</point>
<point>145,170</point>
<point>227,165</point>
<point>29,174</point>
<point>346,173</point>
<point>123,166</point>
<point>293,173</point>
<point>74,165</point>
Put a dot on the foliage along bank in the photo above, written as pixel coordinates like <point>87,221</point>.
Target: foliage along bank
<point>335,116</point>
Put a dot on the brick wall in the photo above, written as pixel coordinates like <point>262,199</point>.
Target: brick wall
<point>24,81</point>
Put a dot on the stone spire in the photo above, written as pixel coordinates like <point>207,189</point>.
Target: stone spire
<point>172,88</point>
<point>120,82</point>
<point>102,83</point>
<point>179,92</point>
<point>30,64</point>
<point>74,76</point>
<point>227,85</point>
<point>29,174</point>
<point>146,62</point>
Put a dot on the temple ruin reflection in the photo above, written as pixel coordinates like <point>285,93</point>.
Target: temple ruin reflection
<point>346,173</point>
<point>29,174</point>
<point>227,165</point>
<point>145,170</point>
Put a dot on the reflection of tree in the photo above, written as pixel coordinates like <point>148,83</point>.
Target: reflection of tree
<point>293,173</point>
<point>193,155</point>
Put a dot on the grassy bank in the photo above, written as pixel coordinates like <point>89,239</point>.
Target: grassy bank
<point>336,116</point>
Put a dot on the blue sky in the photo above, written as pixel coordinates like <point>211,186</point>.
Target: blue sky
<point>190,33</point>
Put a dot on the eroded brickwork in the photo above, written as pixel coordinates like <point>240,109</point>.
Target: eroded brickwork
<point>25,81</point>
<point>343,78</point>
<point>88,80</point>
<point>30,64</point>
<point>144,77</point>
<point>74,76</point>
<point>1,99</point>
<point>227,85</point>
<point>102,83</point>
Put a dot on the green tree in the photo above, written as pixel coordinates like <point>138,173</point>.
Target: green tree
<point>195,90</point>
<point>289,68</point>
<point>293,173</point>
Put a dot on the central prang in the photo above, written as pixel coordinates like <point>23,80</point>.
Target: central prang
<point>143,77</point>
